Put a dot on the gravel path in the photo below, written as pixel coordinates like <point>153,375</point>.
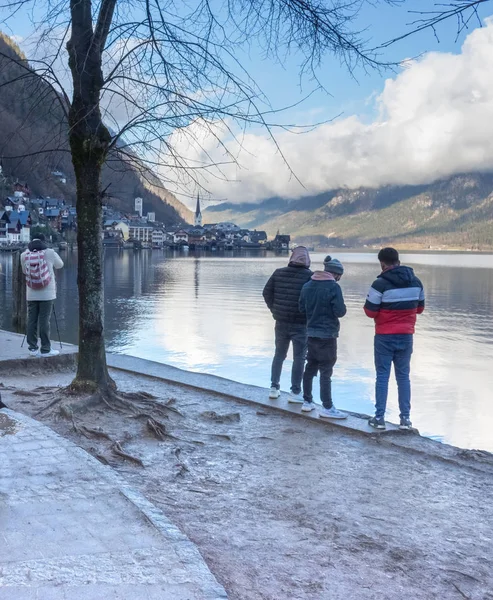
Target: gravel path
<point>285,509</point>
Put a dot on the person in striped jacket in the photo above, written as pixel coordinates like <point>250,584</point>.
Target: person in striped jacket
<point>395,298</point>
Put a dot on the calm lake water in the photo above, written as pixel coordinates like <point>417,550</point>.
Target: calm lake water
<point>206,313</point>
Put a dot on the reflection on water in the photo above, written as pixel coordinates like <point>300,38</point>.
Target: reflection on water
<point>207,314</point>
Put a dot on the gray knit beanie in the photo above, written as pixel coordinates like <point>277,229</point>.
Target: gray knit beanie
<point>332,265</point>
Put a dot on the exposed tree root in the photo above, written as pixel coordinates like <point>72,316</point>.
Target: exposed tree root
<point>89,432</point>
<point>81,402</point>
<point>118,450</point>
<point>68,401</point>
<point>158,429</point>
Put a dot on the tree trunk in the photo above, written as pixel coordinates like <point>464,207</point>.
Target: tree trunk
<point>89,142</point>
<point>92,371</point>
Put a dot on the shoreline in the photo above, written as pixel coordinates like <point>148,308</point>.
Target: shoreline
<point>402,250</point>
<point>355,424</point>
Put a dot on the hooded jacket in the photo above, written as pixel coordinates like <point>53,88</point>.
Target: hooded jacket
<point>282,291</point>
<point>394,300</point>
<point>53,261</point>
<point>322,302</point>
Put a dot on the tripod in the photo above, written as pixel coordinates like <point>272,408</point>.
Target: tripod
<point>57,329</point>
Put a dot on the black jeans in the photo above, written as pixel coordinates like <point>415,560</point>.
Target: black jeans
<point>285,334</point>
<point>322,356</point>
<point>39,316</point>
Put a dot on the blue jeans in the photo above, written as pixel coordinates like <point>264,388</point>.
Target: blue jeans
<point>285,334</point>
<point>395,349</point>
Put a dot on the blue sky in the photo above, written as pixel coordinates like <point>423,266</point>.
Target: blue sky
<point>346,94</point>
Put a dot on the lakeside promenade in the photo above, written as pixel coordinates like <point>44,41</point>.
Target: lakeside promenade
<point>316,512</point>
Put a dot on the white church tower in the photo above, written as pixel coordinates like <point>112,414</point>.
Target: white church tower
<point>198,214</point>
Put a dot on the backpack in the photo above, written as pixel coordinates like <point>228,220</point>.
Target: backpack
<point>37,271</point>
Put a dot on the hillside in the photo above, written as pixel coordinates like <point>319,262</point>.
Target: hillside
<point>452,213</point>
<point>33,143</point>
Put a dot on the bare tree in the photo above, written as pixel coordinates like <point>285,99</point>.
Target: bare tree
<point>141,71</point>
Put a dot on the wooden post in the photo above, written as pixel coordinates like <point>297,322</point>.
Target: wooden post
<point>19,309</point>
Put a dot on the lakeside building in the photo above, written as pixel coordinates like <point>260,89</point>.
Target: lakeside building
<point>123,230</point>
<point>141,232</point>
<point>15,227</point>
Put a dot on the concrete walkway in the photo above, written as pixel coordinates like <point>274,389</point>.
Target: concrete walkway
<point>12,356</point>
<point>232,389</point>
<point>71,529</point>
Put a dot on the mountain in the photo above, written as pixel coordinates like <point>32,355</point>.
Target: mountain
<point>456,212</point>
<point>33,144</point>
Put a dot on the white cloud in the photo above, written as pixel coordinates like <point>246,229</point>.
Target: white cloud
<point>435,119</point>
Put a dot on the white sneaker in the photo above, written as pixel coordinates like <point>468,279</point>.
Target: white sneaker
<point>332,413</point>
<point>295,398</point>
<point>34,353</point>
<point>274,393</point>
<point>308,406</point>
<point>50,353</point>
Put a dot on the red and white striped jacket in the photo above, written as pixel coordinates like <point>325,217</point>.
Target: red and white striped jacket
<point>394,300</point>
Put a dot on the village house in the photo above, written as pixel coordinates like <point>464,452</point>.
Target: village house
<point>158,237</point>
<point>210,236</point>
<point>54,203</point>
<point>196,235</point>
<point>54,218</point>
<point>281,242</point>
<point>141,231</point>
<point>12,202</point>
<point>244,235</point>
<point>15,227</point>
<point>180,237</point>
<point>258,237</point>
<point>121,226</point>
<point>112,238</point>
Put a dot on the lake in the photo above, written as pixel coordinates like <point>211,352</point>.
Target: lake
<point>206,313</point>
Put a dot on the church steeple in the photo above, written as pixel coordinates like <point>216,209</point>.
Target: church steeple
<point>198,213</point>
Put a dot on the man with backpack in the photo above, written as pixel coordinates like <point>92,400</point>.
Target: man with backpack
<point>38,264</point>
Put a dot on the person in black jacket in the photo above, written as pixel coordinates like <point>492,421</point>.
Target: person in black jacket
<point>322,301</point>
<point>282,294</point>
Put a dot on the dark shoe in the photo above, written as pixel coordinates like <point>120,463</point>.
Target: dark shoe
<point>376,423</point>
<point>405,423</point>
